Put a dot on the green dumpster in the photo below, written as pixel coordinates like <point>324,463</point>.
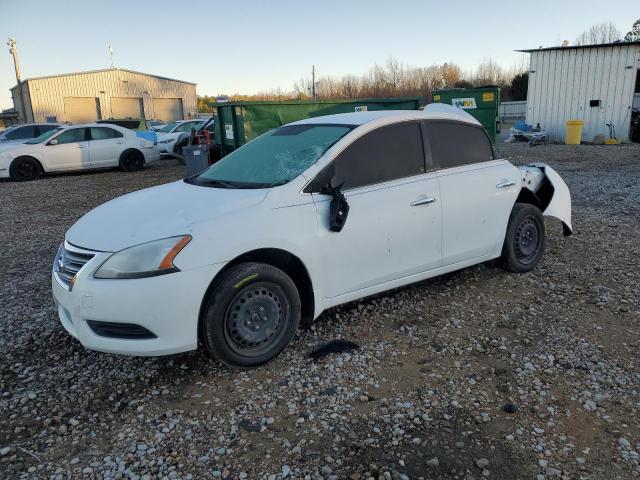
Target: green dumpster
<point>482,103</point>
<point>238,122</point>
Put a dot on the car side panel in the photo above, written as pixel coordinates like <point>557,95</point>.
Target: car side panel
<point>476,203</point>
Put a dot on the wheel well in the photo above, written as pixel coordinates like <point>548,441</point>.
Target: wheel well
<point>527,196</point>
<point>540,198</point>
<point>30,158</point>
<point>285,261</point>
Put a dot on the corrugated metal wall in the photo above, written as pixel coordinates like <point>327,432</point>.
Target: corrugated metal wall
<point>562,83</point>
<point>48,93</point>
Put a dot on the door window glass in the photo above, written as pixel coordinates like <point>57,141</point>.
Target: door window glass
<point>455,144</point>
<point>387,153</point>
<point>186,127</point>
<point>71,136</point>
<point>103,133</point>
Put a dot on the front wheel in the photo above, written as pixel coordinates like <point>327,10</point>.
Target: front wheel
<point>251,315</point>
<point>525,239</point>
<point>25,168</point>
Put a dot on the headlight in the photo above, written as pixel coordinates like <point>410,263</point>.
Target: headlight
<point>169,140</point>
<point>146,260</point>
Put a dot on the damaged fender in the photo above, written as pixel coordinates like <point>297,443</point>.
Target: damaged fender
<point>551,191</point>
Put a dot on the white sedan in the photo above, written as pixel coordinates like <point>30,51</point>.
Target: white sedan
<point>168,134</point>
<point>305,217</point>
<point>77,147</point>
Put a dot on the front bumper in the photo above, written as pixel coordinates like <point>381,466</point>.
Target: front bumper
<point>166,305</point>
<point>166,148</point>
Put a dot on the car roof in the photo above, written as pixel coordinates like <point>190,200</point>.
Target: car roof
<point>439,111</point>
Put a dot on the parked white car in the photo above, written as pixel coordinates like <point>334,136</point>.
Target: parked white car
<point>77,147</point>
<point>305,217</point>
<point>168,134</point>
<point>17,134</point>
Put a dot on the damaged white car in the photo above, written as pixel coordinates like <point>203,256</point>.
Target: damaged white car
<point>305,217</point>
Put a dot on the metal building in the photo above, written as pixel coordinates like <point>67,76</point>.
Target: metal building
<point>102,94</point>
<point>592,83</point>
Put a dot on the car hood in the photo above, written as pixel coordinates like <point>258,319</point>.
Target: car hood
<point>159,212</point>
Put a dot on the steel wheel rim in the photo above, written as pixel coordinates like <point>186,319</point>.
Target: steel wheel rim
<point>527,240</point>
<point>26,169</point>
<point>256,319</point>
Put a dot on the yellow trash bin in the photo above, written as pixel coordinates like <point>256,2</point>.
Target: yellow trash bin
<point>574,132</point>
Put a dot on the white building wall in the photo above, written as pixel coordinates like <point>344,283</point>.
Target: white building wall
<point>47,93</point>
<point>563,81</point>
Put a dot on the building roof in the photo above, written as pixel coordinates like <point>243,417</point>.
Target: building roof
<point>570,47</point>
<point>102,70</point>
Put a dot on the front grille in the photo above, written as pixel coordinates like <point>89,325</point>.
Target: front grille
<point>68,263</point>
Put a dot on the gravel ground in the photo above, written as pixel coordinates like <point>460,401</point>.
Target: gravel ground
<point>477,374</point>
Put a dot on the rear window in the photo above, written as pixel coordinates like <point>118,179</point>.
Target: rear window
<point>455,144</point>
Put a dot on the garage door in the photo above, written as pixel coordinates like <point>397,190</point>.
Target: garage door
<point>122,107</point>
<point>167,109</point>
<point>81,109</point>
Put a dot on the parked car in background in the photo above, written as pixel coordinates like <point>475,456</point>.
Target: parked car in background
<point>77,147</point>
<point>17,134</point>
<point>183,139</point>
<point>155,125</point>
<point>308,216</point>
<point>168,134</point>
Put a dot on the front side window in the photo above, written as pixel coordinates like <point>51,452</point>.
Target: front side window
<point>71,136</point>
<point>103,133</point>
<point>22,133</point>
<point>387,153</point>
<point>274,158</point>
<point>454,144</point>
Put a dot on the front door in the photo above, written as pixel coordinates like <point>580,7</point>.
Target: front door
<point>393,228</point>
<point>67,150</point>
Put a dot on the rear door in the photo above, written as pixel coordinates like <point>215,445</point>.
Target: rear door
<point>105,146</point>
<point>478,191</point>
<point>393,227</point>
<point>67,150</point>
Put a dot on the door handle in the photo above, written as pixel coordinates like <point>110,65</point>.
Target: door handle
<point>505,184</point>
<point>422,201</point>
<point>82,146</point>
<point>120,142</point>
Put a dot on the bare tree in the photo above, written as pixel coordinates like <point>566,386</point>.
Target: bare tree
<point>605,32</point>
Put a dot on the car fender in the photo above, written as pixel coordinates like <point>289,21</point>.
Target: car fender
<point>559,205</point>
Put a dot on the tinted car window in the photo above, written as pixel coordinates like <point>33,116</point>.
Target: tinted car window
<point>20,133</point>
<point>388,153</point>
<point>103,133</point>
<point>454,144</point>
<point>71,136</point>
<point>45,128</point>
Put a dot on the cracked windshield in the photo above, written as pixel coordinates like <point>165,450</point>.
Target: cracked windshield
<point>275,158</point>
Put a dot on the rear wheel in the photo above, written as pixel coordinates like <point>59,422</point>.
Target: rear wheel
<point>131,161</point>
<point>25,168</point>
<point>525,239</point>
<point>251,315</point>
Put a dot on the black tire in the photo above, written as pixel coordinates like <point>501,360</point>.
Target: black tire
<point>23,169</point>
<point>525,239</point>
<point>251,315</point>
<point>131,161</point>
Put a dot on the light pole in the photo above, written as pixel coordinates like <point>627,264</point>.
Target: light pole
<point>14,52</point>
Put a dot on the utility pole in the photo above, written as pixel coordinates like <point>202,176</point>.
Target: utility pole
<point>14,52</point>
<point>313,82</point>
